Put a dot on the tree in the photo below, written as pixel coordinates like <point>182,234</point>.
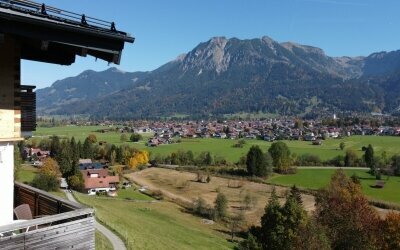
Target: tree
<point>66,160</point>
<point>221,206</point>
<point>123,137</point>
<point>345,212</point>
<point>342,145</point>
<point>390,234</point>
<point>76,182</point>
<point>272,225</point>
<point>350,159</point>
<point>204,159</point>
<point>256,162</point>
<point>92,138</point>
<point>54,146</point>
<point>251,243</point>
<point>280,224</point>
<point>280,154</point>
<point>17,162</point>
<point>396,164</point>
<point>87,151</point>
<point>369,158</point>
<point>50,167</point>
<point>236,221</point>
<point>135,137</point>
<point>140,158</point>
<point>311,236</point>
<point>48,177</point>
<point>248,201</point>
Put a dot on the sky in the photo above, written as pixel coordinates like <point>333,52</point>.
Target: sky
<point>164,29</point>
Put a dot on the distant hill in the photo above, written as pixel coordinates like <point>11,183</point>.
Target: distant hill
<point>223,76</point>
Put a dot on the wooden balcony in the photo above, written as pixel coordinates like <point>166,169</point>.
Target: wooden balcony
<point>62,224</point>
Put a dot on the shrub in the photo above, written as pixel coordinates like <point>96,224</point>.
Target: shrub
<point>200,207</point>
<point>46,182</point>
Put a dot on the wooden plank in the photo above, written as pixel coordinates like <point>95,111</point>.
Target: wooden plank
<point>56,198</point>
<point>49,219</point>
<point>57,230</point>
<point>66,240</point>
<point>12,242</point>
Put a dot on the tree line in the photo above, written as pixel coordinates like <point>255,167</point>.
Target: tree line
<point>343,219</point>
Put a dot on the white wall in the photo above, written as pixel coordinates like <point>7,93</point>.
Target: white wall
<point>6,182</point>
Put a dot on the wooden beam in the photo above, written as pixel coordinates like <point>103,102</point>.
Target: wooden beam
<point>45,45</point>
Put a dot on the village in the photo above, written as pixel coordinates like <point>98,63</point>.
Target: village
<point>267,129</point>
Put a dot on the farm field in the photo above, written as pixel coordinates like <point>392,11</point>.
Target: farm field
<point>223,147</point>
<point>160,225</point>
<point>182,187</point>
<point>318,178</point>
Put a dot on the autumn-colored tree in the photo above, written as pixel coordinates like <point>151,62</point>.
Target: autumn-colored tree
<point>119,171</point>
<point>390,231</point>
<point>92,138</point>
<point>48,177</point>
<point>311,236</point>
<point>77,182</point>
<point>342,208</point>
<point>50,167</point>
<point>140,158</point>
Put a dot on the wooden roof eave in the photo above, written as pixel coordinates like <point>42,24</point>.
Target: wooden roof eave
<point>71,40</point>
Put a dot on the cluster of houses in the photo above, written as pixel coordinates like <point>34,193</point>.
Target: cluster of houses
<point>268,130</point>
<point>95,174</point>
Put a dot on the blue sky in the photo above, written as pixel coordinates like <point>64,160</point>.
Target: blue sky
<point>165,29</point>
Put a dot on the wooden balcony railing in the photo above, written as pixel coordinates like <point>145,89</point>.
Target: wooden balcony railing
<point>63,224</point>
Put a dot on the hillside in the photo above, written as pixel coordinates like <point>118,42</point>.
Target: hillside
<point>223,76</point>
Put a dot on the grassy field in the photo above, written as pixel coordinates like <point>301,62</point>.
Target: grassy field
<point>182,187</point>
<point>27,173</point>
<point>132,194</point>
<point>318,178</point>
<point>102,243</point>
<point>160,225</point>
<point>223,147</point>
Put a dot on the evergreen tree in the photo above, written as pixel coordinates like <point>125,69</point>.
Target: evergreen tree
<point>272,225</point>
<point>54,146</point>
<point>79,149</point>
<point>369,158</point>
<point>257,163</point>
<point>87,152</point>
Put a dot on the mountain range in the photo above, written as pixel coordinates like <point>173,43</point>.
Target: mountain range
<point>225,76</point>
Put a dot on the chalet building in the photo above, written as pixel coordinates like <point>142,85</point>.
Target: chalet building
<point>37,32</point>
<point>99,180</point>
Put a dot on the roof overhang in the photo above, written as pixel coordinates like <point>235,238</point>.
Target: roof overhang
<point>52,39</point>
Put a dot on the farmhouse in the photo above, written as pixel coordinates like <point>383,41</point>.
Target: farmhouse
<point>99,180</point>
<point>37,32</point>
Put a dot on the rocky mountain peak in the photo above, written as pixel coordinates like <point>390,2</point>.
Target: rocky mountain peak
<point>208,56</point>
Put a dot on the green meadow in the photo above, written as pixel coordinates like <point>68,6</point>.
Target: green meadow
<point>156,225</point>
<point>319,178</point>
<point>223,147</point>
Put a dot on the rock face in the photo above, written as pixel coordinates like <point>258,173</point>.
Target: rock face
<point>223,76</point>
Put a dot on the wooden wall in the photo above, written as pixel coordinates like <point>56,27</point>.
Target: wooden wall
<point>10,100</point>
<point>66,225</point>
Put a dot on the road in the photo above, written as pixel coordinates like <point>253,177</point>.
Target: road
<point>344,168</point>
<point>117,243</point>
